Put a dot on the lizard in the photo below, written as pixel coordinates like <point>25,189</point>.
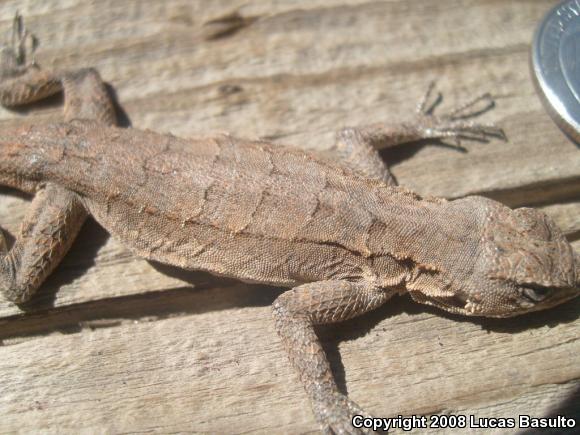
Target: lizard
<point>337,231</point>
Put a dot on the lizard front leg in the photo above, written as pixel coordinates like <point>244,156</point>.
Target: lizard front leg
<point>56,214</point>
<point>296,312</point>
<point>358,147</point>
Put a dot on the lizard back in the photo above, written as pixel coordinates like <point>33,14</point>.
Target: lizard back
<point>235,207</point>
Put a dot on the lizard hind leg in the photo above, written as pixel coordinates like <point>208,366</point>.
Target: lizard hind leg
<point>47,232</point>
<point>296,312</point>
<point>55,214</point>
<point>21,80</point>
<point>86,97</point>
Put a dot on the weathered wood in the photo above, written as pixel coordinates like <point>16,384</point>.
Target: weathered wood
<point>113,345</point>
<point>175,361</point>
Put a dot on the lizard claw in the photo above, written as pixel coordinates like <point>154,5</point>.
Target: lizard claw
<point>17,56</point>
<point>472,108</point>
<point>455,125</point>
<point>428,103</point>
<point>335,418</point>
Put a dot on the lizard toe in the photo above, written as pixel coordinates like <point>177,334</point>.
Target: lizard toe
<point>337,418</point>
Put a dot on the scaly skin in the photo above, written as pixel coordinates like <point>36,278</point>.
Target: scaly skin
<point>342,236</point>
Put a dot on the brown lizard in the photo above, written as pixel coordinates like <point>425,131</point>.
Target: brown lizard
<point>342,235</point>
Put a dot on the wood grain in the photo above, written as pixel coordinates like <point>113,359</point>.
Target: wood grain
<point>114,344</point>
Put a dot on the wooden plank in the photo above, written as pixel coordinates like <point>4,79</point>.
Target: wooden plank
<point>567,215</point>
<point>175,362</point>
<point>113,345</point>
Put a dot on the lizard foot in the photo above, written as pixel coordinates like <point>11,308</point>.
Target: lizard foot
<point>17,56</point>
<point>455,124</point>
<point>335,417</point>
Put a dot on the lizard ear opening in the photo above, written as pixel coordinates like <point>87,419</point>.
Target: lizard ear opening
<point>453,303</point>
<point>432,288</point>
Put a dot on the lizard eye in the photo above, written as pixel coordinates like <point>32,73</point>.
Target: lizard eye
<point>535,293</point>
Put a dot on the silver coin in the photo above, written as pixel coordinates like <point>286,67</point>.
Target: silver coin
<point>556,65</point>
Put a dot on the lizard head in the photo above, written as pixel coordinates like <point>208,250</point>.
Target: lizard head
<point>524,264</point>
<point>529,260</point>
